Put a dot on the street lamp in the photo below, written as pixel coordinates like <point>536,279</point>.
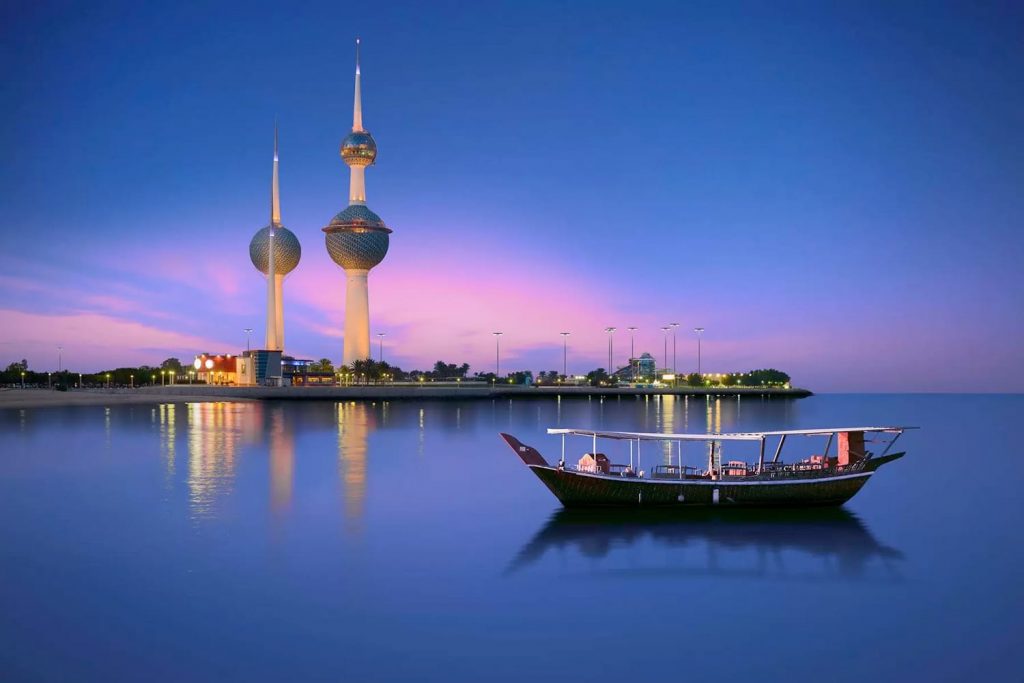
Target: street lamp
<point>60,360</point>
<point>565,343</point>
<point>381,335</point>
<point>131,381</point>
<point>665,337</point>
<point>497,353</point>
<point>632,352</point>
<point>673,326</point>
<point>611,335</point>
<point>699,331</point>
<point>23,380</point>
<point>49,383</point>
<point>248,336</point>
<point>108,380</point>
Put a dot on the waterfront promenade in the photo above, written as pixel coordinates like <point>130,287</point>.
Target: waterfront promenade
<point>191,393</point>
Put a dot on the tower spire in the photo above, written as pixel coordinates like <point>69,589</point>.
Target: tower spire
<point>275,191</point>
<point>357,109</point>
<point>273,342</point>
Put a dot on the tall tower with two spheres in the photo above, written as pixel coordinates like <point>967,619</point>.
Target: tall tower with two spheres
<point>277,245</point>
<point>357,239</point>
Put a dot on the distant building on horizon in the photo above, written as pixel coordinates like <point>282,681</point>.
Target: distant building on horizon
<point>645,367</point>
<point>357,239</point>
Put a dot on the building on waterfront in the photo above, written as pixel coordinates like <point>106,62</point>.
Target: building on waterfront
<point>641,369</point>
<point>221,368</point>
<point>357,239</point>
<point>258,367</point>
<point>278,245</point>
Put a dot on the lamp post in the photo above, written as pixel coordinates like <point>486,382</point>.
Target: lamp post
<point>611,335</point>
<point>497,353</point>
<point>248,336</point>
<point>665,339</point>
<point>108,380</point>
<point>79,380</point>
<point>381,353</point>
<point>699,331</point>
<point>565,346</point>
<point>632,352</point>
<point>23,380</point>
<point>131,381</point>
<point>49,382</point>
<point>60,360</point>
<point>673,326</point>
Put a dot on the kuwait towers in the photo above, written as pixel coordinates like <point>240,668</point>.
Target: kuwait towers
<point>278,245</point>
<point>357,238</point>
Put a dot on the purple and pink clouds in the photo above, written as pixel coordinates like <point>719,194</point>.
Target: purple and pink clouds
<point>142,306</point>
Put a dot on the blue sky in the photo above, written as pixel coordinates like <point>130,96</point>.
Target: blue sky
<point>829,189</point>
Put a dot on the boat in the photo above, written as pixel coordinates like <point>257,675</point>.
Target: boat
<point>816,480</point>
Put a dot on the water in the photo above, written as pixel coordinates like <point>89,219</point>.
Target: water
<point>404,541</point>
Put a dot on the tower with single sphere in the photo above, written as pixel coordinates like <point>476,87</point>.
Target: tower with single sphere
<point>277,245</point>
<point>357,238</point>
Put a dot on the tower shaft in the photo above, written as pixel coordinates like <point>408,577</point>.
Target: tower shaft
<point>357,316</point>
<point>279,314</point>
<point>357,185</point>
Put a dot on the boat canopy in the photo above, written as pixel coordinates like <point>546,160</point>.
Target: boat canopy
<point>735,436</point>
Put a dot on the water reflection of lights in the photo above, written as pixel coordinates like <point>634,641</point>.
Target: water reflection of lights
<point>213,436</point>
<point>282,461</point>
<point>168,438</point>
<point>801,545</point>
<point>668,425</point>
<point>355,420</point>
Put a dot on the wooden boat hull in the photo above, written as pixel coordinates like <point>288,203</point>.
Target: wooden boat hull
<point>582,489</point>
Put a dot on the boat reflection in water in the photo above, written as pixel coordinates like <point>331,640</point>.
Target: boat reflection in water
<point>816,544</point>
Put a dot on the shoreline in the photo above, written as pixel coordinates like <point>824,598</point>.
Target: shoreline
<point>16,398</point>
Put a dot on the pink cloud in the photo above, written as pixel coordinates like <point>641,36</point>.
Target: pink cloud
<point>93,341</point>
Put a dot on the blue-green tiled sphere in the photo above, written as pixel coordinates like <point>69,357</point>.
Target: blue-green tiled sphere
<point>357,238</point>
<point>287,250</point>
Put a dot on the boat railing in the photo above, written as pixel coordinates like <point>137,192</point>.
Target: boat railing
<point>733,470</point>
<point>675,472</point>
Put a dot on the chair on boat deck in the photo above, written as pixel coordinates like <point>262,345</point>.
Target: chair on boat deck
<point>594,462</point>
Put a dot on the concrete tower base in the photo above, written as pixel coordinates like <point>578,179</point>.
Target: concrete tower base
<point>275,316</point>
<point>357,317</point>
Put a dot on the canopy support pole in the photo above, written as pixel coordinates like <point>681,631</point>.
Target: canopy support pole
<point>898,435</point>
<point>778,451</point>
<point>760,458</point>
<point>828,445</point>
<point>563,450</point>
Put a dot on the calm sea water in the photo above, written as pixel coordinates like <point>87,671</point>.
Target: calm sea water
<point>404,542</point>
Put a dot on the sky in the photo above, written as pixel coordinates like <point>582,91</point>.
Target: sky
<point>831,189</point>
